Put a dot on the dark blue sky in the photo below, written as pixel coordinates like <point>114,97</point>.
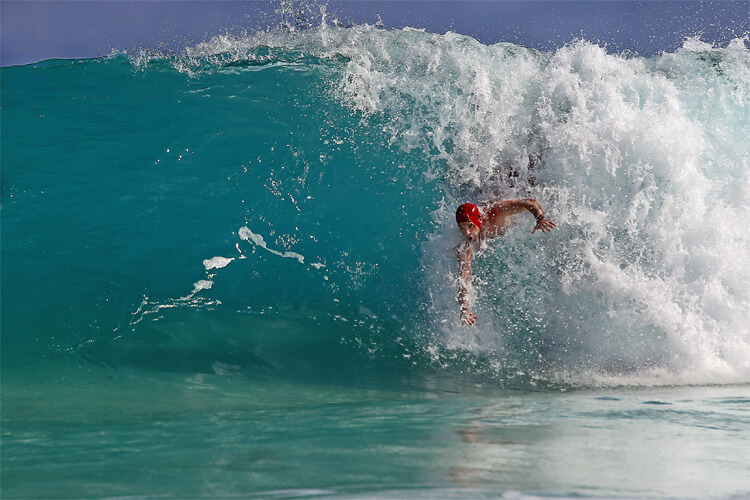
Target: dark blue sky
<point>35,30</point>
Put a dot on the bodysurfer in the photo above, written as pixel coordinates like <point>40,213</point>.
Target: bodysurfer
<point>476,228</point>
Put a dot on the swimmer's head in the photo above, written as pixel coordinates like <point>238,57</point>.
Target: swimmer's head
<point>469,221</point>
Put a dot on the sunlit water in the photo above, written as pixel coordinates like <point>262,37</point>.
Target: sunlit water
<point>231,272</point>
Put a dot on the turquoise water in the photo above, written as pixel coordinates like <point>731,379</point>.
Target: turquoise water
<point>230,272</point>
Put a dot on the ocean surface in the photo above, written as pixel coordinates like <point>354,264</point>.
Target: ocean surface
<point>229,272</point>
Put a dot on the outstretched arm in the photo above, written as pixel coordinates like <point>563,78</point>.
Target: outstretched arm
<point>463,254</point>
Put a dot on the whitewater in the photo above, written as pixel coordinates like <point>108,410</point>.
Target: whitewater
<point>231,271</point>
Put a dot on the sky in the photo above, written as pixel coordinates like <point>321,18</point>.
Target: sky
<point>34,30</point>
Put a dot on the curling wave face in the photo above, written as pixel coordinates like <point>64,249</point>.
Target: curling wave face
<point>282,202</point>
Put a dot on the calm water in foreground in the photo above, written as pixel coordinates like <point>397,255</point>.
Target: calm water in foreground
<point>212,437</point>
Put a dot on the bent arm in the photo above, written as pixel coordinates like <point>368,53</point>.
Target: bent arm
<point>515,207</point>
<point>501,210</point>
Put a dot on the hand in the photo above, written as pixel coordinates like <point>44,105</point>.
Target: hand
<point>468,317</point>
<point>545,225</point>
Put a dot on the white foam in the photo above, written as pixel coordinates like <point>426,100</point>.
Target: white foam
<point>217,263</point>
<point>647,278</point>
<point>202,285</point>
<point>246,234</point>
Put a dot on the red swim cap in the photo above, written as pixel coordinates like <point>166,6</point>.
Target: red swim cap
<point>469,212</point>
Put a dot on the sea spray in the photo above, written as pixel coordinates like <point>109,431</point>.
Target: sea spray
<point>641,276</point>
